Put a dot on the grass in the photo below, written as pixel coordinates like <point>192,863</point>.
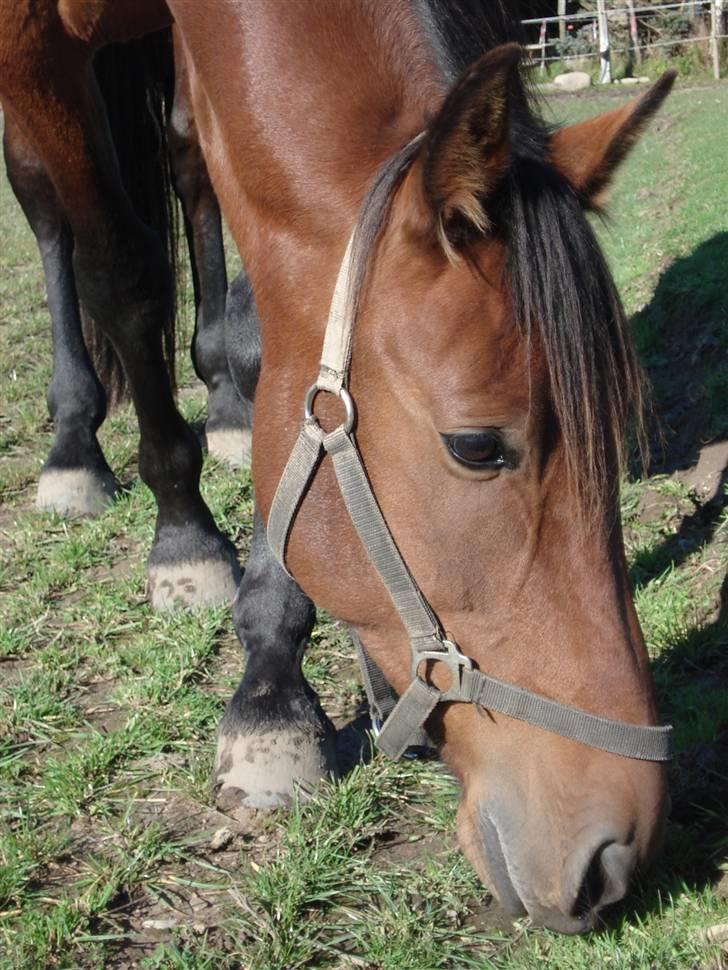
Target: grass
<point>108,711</point>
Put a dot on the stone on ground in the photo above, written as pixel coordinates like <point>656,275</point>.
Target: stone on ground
<point>573,81</point>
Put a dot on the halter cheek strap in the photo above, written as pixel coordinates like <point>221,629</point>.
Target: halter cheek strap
<point>427,640</point>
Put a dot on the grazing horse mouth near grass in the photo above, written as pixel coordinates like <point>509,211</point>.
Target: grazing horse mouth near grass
<point>602,882</point>
<point>498,869</point>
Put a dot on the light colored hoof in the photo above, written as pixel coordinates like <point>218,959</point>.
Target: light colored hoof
<point>184,586</point>
<point>233,446</point>
<point>265,771</point>
<point>75,491</point>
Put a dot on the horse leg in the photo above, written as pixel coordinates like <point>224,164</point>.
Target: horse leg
<point>228,417</point>
<point>122,278</point>
<point>274,738</point>
<point>75,477</point>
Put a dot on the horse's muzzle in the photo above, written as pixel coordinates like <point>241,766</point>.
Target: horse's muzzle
<point>596,875</point>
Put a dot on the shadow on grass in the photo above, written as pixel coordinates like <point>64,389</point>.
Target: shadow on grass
<point>696,844</point>
<point>354,742</point>
<point>695,530</point>
<point>682,335</point>
<point>682,339</point>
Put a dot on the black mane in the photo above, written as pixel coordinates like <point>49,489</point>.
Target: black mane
<point>562,292</point>
<point>459,31</point>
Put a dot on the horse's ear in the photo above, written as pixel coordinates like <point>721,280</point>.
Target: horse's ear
<point>466,147</point>
<point>589,152</point>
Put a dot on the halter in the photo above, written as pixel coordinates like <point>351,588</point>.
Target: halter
<point>427,639</point>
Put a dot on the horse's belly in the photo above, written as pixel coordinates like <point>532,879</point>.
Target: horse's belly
<point>100,22</point>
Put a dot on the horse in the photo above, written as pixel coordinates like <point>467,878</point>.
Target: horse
<point>372,161</point>
<point>145,96</point>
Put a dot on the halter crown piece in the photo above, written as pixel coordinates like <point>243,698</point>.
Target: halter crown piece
<point>427,640</point>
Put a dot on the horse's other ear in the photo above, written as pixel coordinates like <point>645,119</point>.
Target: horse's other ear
<point>466,147</point>
<point>588,153</point>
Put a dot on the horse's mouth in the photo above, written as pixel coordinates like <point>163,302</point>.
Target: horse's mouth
<point>498,868</point>
<point>553,919</point>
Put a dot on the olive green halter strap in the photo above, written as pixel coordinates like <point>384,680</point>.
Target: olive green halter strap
<point>427,639</point>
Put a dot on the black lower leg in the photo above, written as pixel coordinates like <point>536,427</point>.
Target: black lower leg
<point>228,422</point>
<point>75,477</point>
<point>274,737</point>
<point>228,429</point>
<point>191,563</point>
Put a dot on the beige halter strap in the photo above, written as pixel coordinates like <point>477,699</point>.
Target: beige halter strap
<point>423,629</point>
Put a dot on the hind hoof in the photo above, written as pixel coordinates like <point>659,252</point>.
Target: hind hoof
<point>231,446</point>
<point>75,491</point>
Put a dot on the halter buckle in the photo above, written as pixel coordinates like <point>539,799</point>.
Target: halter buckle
<point>455,661</point>
<point>343,395</point>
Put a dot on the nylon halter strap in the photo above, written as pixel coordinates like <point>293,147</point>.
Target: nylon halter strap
<point>427,640</point>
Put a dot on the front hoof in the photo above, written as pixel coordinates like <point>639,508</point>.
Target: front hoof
<point>75,491</point>
<point>265,771</point>
<point>232,446</point>
<point>187,585</point>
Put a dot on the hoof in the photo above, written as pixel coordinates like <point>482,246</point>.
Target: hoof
<point>264,771</point>
<point>75,491</point>
<point>184,586</point>
<point>231,445</point>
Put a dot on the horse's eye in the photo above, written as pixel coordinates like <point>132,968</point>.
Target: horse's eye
<point>477,449</point>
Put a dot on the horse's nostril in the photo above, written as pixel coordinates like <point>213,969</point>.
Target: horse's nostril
<point>605,880</point>
<point>591,888</point>
<point>618,863</point>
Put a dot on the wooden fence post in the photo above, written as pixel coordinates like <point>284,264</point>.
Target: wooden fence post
<point>633,32</point>
<point>605,67</point>
<point>714,49</point>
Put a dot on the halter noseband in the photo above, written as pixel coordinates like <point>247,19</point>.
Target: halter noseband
<point>427,640</point>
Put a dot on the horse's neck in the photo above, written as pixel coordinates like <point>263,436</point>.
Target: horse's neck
<point>332,90</point>
<point>323,94</point>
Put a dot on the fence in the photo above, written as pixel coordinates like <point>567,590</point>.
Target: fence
<point>598,21</point>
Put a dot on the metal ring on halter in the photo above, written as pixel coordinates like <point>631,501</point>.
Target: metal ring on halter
<point>345,398</point>
<point>455,661</point>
